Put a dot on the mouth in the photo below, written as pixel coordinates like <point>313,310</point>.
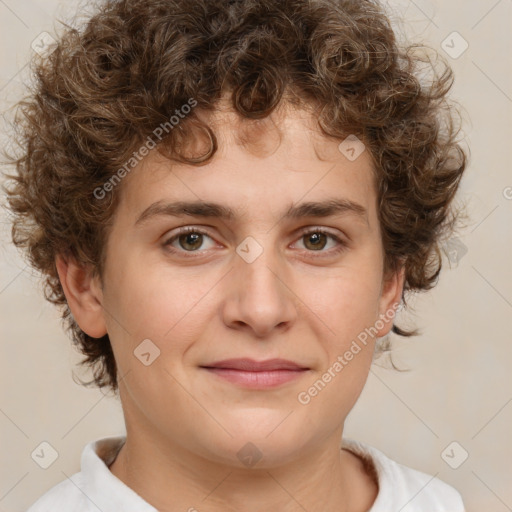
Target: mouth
<point>256,374</point>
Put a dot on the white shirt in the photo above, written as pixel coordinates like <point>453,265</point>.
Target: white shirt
<point>96,489</point>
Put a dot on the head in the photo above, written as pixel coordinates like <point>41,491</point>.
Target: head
<point>258,107</point>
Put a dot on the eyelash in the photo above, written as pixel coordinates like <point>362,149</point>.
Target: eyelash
<point>190,229</point>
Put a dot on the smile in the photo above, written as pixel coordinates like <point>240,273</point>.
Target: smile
<point>258,380</point>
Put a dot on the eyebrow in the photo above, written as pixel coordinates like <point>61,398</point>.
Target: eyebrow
<point>327,208</point>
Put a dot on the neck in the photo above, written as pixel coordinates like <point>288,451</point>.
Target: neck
<point>173,479</point>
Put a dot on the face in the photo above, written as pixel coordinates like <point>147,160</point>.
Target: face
<point>274,279</point>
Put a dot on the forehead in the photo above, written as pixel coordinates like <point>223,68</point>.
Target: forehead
<point>283,158</point>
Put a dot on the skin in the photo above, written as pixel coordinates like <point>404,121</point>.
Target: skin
<point>295,301</point>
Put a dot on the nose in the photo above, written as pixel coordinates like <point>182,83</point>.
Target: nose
<point>259,299</point>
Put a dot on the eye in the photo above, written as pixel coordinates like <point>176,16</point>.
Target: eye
<point>317,239</point>
<point>189,239</point>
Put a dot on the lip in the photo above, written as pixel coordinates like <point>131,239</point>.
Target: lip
<point>249,373</point>
<point>250,365</point>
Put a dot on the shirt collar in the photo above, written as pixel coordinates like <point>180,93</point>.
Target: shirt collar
<point>106,492</point>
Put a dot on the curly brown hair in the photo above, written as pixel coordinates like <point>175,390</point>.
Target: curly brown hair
<point>105,87</point>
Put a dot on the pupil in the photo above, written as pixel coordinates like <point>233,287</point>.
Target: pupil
<point>317,239</point>
<point>191,236</point>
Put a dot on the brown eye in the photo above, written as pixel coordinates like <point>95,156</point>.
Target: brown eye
<point>315,241</point>
<point>323,242</point>
<point>190,241</point>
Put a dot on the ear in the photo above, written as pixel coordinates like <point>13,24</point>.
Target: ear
<point>84,295</point>
<point>391,296</point>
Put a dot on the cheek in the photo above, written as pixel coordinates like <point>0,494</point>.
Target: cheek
<point>346,301</point>
<point>347,304</point>
<point>152,302</point>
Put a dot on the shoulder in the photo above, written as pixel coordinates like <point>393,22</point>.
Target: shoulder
<point>404,488</point>
<point>66,495</point>
<point>92,486</point>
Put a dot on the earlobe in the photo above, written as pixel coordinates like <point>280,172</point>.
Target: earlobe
<point>83,294</point>
<point>391,297</point>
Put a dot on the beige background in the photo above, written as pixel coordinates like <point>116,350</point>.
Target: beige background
<point>459,387</point>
